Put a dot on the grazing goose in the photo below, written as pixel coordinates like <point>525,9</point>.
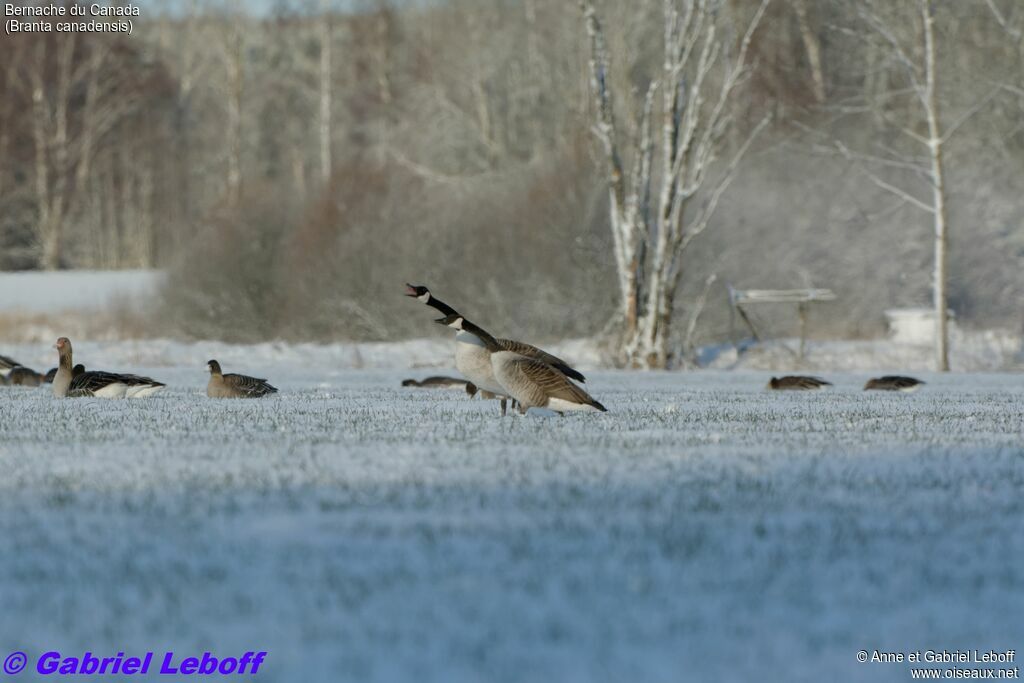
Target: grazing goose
<point>893,383</point>
<point>96,383</point>
<point>530,381</point>
<point>235,386</point>
<point>21,376</point>
<point>436,382</point>
<point>797,383</point>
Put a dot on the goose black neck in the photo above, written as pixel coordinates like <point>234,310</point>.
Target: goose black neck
<point>490,342</point>
<point>441,306</point>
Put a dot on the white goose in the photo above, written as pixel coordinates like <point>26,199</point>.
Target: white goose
<point>98,384</point>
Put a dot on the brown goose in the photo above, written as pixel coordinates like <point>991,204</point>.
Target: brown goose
<point>436,382</point>
<point>20,376</point>
<point>96,383</point>
<point>530,381</point>
<point>797,383</point>
<point>235,386</point>
<point>893,383</point>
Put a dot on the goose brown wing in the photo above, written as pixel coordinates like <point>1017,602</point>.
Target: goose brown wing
<point>7,363</point>
<point>531,351</point>
<point>252,386</point>
<point>554,383</point>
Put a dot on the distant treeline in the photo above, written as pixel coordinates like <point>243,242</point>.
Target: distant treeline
<point>291,170</point>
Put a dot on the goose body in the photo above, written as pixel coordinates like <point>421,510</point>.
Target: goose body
<point>436,382</point>
<point>21,376</point>
<point>893,383</point>
<point>235,386</point>
<point>70,382</point>
<point>531,382</point>
<point>797,383</point>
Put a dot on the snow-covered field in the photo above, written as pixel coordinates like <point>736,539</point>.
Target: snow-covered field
<point>703,529</point>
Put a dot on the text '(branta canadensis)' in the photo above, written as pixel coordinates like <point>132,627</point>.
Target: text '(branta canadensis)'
<point>893,383</point>
<point>235,386</point>
<point>797,383</point>
<point>531,382</point>
<point>97,384</point>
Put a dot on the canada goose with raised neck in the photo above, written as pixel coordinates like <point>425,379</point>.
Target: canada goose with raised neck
<point>530,381</point>
<point>436,382</point>
<point>97,384</point>
<point>235,386</point>
<point>893,383</point>
<point>422,294</point>
<point>797,383</point>
<point>473,360</point>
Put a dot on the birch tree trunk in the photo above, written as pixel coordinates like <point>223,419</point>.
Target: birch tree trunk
<point>699,75</point>
<point>935,140</point>
<point>326,90</point>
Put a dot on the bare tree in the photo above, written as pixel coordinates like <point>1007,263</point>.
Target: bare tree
<point>916,60</point>
<point>654,215</point>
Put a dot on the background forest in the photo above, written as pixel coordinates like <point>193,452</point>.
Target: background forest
<point>290,166</point>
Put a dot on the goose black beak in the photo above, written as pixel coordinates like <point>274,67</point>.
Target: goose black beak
<point>410,290</point>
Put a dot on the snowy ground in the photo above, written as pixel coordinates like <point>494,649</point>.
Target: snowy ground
<point>703,529</point>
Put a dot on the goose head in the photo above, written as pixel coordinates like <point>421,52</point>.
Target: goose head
<point>418,292</point>
<point>453,321</point>
<point>77,370</point>
<point>213,366</point>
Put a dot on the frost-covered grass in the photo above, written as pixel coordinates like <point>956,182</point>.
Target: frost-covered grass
<point>703,529</point>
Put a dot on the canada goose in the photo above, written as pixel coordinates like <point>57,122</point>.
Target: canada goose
<point>422,294</point>
<point>797,383</point>
<point>21,376</point>
<point>235,386</point>
<point>473,360</point>
<point>530,381</point>
<point>97,384</point>
<point>893,383</point>
<point>436,382</point>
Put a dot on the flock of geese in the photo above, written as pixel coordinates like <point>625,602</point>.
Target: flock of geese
<point>502,369</point>
<point>74,381</point>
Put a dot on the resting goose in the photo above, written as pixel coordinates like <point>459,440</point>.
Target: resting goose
<point>530,381</point>
<point>50,374</point>
<point>436,382</point>
<point>797,383</point>
<point>893,383</point>
<point>473,360</point>
<point>21,376</point>
<point>95,383</point>
<point>235,386</point>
